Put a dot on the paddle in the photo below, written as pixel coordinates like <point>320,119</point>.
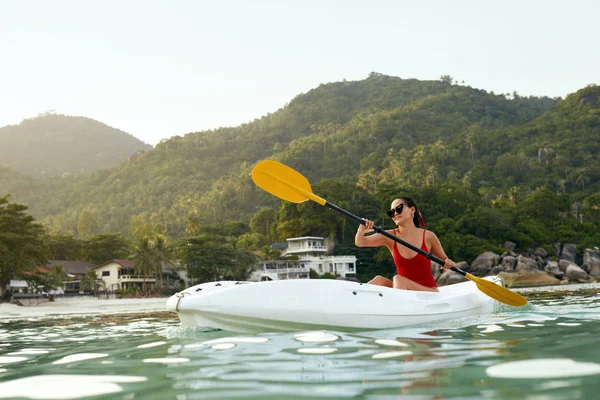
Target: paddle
<point>288,184</point>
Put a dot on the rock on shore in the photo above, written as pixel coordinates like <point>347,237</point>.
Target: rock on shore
<point>534,267</point>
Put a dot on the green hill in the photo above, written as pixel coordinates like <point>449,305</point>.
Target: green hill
<point>382,135</point>
<point>53,144</point>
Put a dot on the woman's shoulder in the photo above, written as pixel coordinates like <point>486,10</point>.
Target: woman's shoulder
<point>389,240</point>
<point>429,234</point>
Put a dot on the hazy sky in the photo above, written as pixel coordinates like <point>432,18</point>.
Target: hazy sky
<point>156,69</point>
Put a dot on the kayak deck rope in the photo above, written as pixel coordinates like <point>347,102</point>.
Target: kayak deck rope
<point>180,296</point>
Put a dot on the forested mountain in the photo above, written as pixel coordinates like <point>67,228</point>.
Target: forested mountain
<point>484,168</point>
<point>53,144</point>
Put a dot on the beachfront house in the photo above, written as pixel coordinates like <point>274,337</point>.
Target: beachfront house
<point>28,286</point>
<point>121,274</point>
<point>19,288</point>
<point>76,271</point>
<point>310,252</point>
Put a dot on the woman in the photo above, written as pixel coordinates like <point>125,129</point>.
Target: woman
<point>414,269</point>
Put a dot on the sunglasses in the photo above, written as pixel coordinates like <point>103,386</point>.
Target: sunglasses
<point>397,210</point>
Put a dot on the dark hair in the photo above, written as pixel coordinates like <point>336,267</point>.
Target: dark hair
<point>417,218</point>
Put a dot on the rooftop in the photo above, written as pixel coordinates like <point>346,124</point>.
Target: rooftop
<point>73,267</point>
<point>305,238</point>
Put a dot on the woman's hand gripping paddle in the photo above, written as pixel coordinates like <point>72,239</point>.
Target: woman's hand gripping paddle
<point>288,184</point>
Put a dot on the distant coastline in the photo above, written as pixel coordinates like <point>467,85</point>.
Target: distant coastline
<point>86,306</point>
<point>75,306</point>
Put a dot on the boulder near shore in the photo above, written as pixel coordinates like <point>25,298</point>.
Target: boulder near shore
<point>534,267</point>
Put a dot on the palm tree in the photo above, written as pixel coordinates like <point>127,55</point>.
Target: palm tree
<point>471,138</point>
<point>581,177</point>
<point>55,279</point>
<point>57,276</point>
<point>431,174</point>
<point>150,255</point>
<point>269,254</point>
<point>244,263</point>
<point>368,180</point>
<point>466,179</point>
<point>91,282</point>
<point>513,194</point>
<point>163,255</point>
<point>439,151</point>
<point>144,258</point>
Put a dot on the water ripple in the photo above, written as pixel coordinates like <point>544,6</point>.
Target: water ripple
<point>545,351</point>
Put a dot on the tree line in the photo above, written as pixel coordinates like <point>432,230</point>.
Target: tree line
<point>468,222</point>
<point>24,245</point>
<point>484,168</point>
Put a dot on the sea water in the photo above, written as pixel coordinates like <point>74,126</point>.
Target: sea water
<point>549,349</point>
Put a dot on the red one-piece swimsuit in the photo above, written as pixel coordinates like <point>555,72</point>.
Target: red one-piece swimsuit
<point>417,268</point>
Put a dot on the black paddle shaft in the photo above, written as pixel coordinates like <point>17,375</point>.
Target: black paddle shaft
<point>383,232</point>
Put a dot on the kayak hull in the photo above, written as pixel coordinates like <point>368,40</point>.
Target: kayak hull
<point>306,304</point>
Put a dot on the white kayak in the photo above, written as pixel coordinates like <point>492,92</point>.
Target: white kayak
<point>301,304</point>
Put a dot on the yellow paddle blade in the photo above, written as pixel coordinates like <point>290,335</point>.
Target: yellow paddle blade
<point>497,292</point>
<point>284,182</point>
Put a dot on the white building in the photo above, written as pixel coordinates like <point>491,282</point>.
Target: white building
<point>312,254</point>
<point>120,274</point>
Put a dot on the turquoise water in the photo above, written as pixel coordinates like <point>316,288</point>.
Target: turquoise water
<point>550,350</point>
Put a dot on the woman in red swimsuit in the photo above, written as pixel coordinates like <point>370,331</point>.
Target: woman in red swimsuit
<point>414,269</point>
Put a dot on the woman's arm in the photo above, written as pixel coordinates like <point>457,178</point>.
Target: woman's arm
<point>435,247</point>
<point>368,241</point>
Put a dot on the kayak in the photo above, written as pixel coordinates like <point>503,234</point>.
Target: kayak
<point>307,304</point>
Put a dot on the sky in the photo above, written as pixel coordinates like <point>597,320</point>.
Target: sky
<point>157,69</point>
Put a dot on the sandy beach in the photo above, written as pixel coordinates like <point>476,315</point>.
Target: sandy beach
<point>80,306</point>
